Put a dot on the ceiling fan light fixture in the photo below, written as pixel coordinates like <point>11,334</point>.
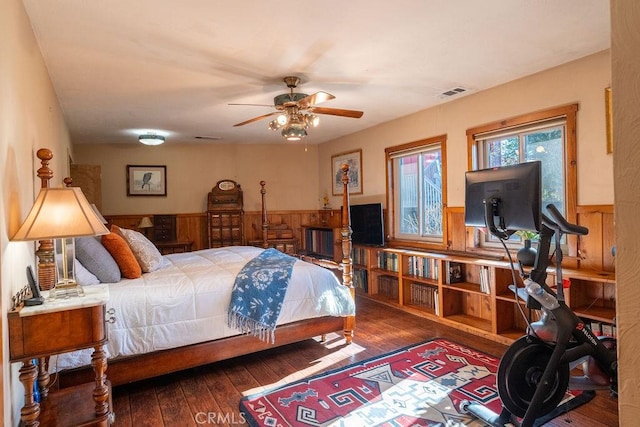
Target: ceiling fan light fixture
<point>311,120</point>
<point>294,132</point>
<point>282,119</point>
<point>273,125</point>
<point>151,139</point>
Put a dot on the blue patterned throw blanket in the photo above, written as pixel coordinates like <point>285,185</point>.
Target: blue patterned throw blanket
<point>258,293</point>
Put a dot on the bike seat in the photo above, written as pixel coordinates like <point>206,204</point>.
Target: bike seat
<point>560,223</point>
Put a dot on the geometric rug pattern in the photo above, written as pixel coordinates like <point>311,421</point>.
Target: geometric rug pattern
<point>419,385</point>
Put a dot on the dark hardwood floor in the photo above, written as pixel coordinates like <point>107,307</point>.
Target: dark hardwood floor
<point>216,389</point>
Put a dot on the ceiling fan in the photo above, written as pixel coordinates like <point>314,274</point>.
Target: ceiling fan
<point>297,111</point>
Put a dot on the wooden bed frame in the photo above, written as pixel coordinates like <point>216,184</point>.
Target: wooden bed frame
<point>134,368</point>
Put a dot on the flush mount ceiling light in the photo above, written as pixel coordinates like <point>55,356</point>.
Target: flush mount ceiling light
<point>151,139</point>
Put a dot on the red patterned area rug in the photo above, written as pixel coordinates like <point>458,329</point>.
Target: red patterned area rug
<point>420,385</point>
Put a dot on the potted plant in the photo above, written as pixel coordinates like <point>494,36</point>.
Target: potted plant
<point>527,254</point>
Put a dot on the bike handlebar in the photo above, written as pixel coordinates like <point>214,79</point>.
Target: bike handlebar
<point>562,224</point>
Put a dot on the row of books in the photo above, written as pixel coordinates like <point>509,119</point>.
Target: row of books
<point>423,267</point>
<point>485,279</point>
<point>388,286</point>
<point>604,329</point>
<point>425,296</point>
<point>319,242</point>
<point>360,280</point>
<point>456,274</point>
<point>360,256</point>
<point>388,261</point>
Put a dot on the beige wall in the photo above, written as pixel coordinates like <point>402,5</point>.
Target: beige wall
<point>30,118</point>
<point>291,174</point>
<point>581,82</point>
<point>625,45</point>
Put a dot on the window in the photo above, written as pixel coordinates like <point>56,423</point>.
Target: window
<point>546,136</point>
<point>544,143</point>
<point>416,191</point>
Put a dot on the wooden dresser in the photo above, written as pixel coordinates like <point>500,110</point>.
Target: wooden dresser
<point>225,214</point>
<point>164,228</point>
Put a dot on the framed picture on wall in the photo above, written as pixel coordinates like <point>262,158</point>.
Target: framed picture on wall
<point>146,180</point>
<point>354,160</point>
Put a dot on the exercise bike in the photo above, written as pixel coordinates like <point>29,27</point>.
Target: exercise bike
<point>536,370</point>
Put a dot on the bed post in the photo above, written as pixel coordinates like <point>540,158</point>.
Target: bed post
<point>347,260</point>
<point>265,221</point>
<point>46,264</point>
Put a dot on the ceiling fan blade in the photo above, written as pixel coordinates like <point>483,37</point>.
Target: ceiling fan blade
<point>315,98</point>
<point>255,119</point>
<point>337,112</point>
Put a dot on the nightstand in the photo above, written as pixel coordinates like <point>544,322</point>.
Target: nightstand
<point>59,326</point>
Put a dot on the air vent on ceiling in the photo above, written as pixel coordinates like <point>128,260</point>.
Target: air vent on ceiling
<point>452,92</point>
<point>211,138</point>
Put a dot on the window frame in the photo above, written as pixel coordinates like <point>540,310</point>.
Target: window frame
<point>390,153</point>
<point>569,114</point>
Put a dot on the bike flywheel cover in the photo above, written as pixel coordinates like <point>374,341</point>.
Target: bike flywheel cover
<point>519,372</point>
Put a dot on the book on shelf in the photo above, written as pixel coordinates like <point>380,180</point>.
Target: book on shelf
<point>388,286</point>
<point>455,272</point>
<point>388,261</point>
<point>423,267</point>
<point>424,295</point>
<point>608,330</point>
<point>485,279</point>
<point>360,280</point>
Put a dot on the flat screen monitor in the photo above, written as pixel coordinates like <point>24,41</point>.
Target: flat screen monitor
<point>367,224</point>
<point>510,195</point>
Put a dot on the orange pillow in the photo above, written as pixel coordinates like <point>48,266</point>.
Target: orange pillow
<point>121,252</point>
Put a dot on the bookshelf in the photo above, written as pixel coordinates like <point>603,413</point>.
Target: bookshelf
<point>322,242</point>
<point>472,294</point>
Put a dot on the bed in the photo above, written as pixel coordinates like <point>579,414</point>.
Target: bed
<point>175,318</point>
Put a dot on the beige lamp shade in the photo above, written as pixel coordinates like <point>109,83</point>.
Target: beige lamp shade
<point>60,213</point>
<point>145,222</point>
<point>98,214</point>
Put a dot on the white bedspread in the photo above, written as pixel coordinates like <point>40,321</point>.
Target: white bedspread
<point>186,302</point>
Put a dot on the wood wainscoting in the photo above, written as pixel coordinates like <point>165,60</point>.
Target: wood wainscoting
<point>193,226</point>
<point>593,250</point>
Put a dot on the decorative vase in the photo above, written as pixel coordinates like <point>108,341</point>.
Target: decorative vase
<point>527,254</point>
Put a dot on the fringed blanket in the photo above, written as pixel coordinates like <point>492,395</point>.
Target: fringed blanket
<point>258,294</point>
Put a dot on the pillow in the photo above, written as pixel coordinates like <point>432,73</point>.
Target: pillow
<point>95,258</point>
<point>83,276</point>
<point>121,252</point>
<point>148,256</point>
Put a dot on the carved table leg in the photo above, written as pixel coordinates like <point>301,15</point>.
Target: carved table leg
<point>101,392</point>
<point>43,377</point>
<point>31,409</point>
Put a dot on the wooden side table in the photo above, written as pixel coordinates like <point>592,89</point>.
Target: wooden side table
<point>59,326</point>
<point>173,247</point>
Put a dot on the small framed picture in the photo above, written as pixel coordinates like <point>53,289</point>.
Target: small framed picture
<point>354,160</point>
<point>146,180</point>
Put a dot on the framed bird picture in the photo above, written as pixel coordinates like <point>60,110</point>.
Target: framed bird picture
<point>146,180</point>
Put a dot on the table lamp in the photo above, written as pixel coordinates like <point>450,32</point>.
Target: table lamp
<point>61,214</point>
<point>145,224</point>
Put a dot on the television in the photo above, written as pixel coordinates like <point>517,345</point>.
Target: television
<point>367,224</point>
<point>504,199</point>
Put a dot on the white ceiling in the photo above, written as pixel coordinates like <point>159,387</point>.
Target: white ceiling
<point>120,67</point>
